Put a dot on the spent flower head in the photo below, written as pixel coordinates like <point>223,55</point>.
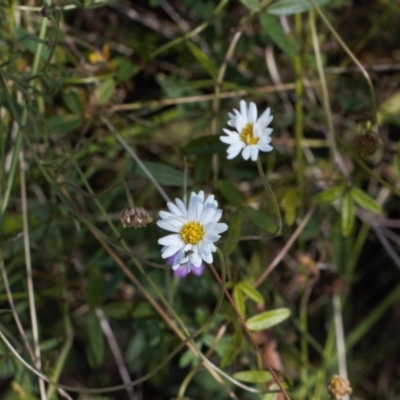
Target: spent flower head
<point>196,229</point>
<point>252,135</point>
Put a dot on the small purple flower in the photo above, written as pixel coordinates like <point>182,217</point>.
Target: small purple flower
<point>185,268</point>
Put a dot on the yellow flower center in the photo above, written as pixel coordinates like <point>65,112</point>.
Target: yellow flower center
<point>192,232</point>
<point>247,135</point>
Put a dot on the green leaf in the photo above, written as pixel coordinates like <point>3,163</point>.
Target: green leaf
<point>118,309</point>
<point>235,229</point>
<point>104,91</point>
<point>260,219</point>
<point>94,290</point>
<point>203,59</point>
<point>251,292</point>
<point>134,353</point>
<point>329,195</point>
<point>233,195</point>
<point>290,205</point>
<point>72,100</point>
<point>252,5</point>
<point>365,201</point>
<point>63,124</point>
<point>233,349</point>
<point>274,30</point>
<point>239,300</point>
<point>95,340</point>
<point>288,7</point>
<point>347,219</point>
<point>253,376</point>
<point>125,69</point>
<point>272,396</point>
<point>164,174</point>
<point>205,146</point>
<point>267,319</point>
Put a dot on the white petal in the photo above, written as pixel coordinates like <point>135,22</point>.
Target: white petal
<point>229,139</point>
<point>265,119</point>
<point>181,207</point>
<point>170,240</point>
<point>254,153</point>
<point>246,153</point>
<point>252,114</point>
<point>171,250</point>
<point>257,131</point>
<point>221,227</point>
<point>267,131</point>
<point>265,147</point>
<point>243,108</point>
<point>195,259</point>
<point>174,209</point>
<point>241,122</point>
<point>173,225</point>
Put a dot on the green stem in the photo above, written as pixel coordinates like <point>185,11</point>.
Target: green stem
<point>271,197</point>
<point>298,128</point>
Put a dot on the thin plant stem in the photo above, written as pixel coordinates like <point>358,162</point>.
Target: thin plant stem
<point>68,340</point>
<point>116,352</point>
<point>28,264</point>
<point>298,127</point>
<point>325,97</point>
<point>340,341</point>
<point>350,54</point>
<point>14,311</point>
<point>271,197</point>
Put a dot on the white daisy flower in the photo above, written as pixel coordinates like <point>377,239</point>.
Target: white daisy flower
<point>252,135</point>
<point>195,228</point>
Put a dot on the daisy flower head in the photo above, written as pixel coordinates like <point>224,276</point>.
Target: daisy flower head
<point>195,230</point>
<point>251,135</point>
<point>185,268</point>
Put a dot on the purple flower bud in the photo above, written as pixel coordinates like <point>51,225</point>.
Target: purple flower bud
<point>183,270</point>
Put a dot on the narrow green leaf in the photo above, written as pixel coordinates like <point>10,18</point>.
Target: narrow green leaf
<point>239,300</point>
<point>95,340</point>
<point>329,195</point>
<point>104,91</point>
<point>94,289</point>
<point>233,349</point>
<point>274,30</point>
<point>252,5</point>
<point>64,123</point>
<point>203,59</point>
<point>267,319</point>
<point>72,100</point>
<point>125,68</point>
<point>365,201</point>
<point>205,146</point>
<point>289,7</point>
<point>272,396</point>
<point>347,214</point>
<point>251,292</point>
<point>253,376</point>
<point>164,174</point>
<point>233,195</point>
<point>260,219</point>
<point>235,229</point>
<point>290,205</point>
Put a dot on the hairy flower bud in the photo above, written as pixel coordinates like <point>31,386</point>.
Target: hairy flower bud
<point>365,145</point>
<point>338,387</point>
<point>135,217</point>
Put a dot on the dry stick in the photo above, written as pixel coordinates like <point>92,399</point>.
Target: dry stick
<point>28,264</point>
<point>204,97</point>
<point>243,323</point>
<point>285,248</point>
<point>14,311</point>
<point>119,359</point>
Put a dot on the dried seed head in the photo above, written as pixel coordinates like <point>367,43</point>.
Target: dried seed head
<point>135,217</point>
<point>365,145</point>
<point>338,387</point>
